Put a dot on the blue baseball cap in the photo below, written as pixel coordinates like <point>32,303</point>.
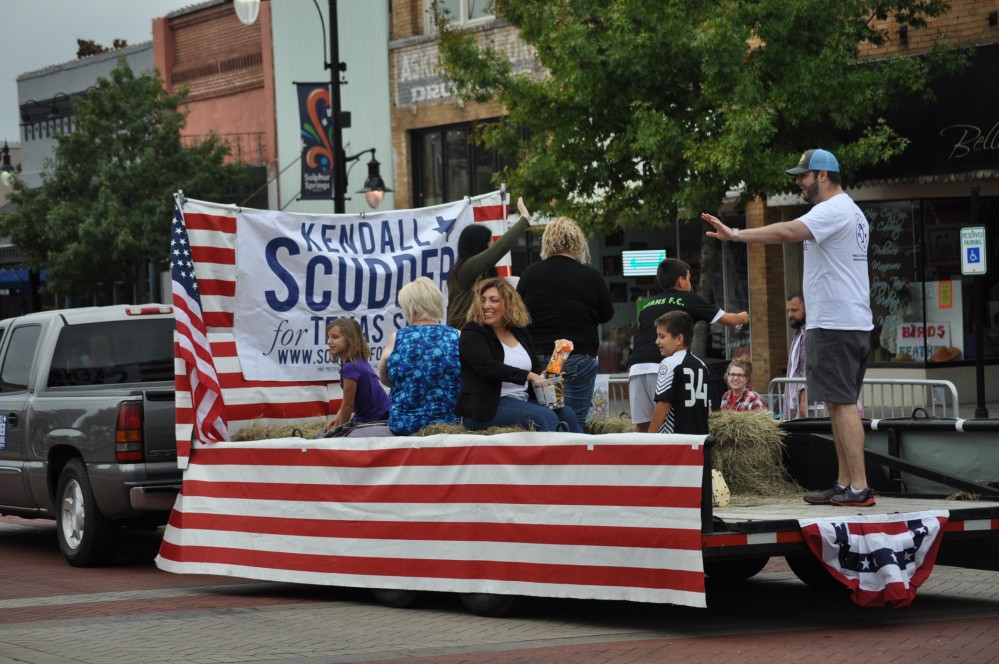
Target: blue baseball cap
<point>815,160</point>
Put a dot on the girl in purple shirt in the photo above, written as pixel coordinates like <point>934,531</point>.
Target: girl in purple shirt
<point>364,400</point>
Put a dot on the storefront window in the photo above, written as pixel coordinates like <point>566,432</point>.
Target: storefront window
<point>893,258</point>
<point>923,306</point>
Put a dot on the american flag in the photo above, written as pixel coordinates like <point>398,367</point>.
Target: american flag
<point>882,558</point>
<point>211,233</point>
<point>197,376</point>
<point>539,514</point>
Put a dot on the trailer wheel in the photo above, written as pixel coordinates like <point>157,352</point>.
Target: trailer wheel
<point>398,599</point>
<point>734,570</point>
<point>489,604</point>
<point>87,537</point>
<point>813,573</point>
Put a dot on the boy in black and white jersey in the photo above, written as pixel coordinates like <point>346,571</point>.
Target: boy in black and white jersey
<point>682,381</point>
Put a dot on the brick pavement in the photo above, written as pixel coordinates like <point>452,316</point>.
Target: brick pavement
<point>973,641</point>
<point>135,613</point>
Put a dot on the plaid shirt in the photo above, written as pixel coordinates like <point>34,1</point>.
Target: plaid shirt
<point>748,400</point>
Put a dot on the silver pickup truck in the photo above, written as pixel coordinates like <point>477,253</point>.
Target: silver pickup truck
<point>87,423</point>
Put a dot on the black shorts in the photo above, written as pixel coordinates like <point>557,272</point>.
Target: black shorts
<point>835,363</point>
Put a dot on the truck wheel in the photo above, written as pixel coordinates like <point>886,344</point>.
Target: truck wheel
<point>398,599</point>
<point>489,605</point>
<point>734,570</point>
<point>87,537</point>
<point>813,573</point>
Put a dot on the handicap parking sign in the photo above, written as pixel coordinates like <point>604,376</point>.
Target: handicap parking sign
<point>973,250</point>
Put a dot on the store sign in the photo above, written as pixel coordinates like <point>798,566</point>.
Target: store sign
<point>417,75</point>
<point>915,338</point>
<point>958,131</point>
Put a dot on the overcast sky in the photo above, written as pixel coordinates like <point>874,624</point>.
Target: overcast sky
<point>37,33</point>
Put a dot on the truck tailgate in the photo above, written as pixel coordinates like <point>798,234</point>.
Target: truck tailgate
<point>159,433</point>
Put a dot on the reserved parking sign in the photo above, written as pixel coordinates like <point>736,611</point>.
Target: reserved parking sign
<point>973,250</point>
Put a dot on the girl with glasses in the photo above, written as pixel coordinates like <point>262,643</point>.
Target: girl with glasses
<point>739,397</point>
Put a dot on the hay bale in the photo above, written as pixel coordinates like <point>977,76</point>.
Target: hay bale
<point>609,425</point>
<point>750,453</point>
<point>435,429</point>
<point>259,431</point>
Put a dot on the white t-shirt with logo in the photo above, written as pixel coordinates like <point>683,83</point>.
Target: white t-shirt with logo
<point>836,283</point>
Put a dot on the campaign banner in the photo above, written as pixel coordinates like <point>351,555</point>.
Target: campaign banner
<point>314,112</point>
<point>295,273</point>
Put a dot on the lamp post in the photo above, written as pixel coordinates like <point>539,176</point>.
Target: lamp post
<point>7,169</point>
<point>374,186</point>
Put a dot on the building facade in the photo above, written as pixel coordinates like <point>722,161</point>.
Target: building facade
<point>437,160</point>
<point>242,86</point>
<point>227,69</point>
<point>45,99</point>
<point>300,41</point>
<point>916,205</point>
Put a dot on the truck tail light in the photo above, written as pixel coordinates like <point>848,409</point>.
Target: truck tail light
<point>148,309</point>
<point>128,433</point>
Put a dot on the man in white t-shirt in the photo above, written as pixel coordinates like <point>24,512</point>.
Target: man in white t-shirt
<point>836,286</point>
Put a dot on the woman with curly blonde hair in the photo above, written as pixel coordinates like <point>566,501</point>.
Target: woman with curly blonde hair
<point>497,361</point>
<point>567,299</point>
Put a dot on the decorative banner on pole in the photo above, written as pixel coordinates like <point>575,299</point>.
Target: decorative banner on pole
<point>315,117</point>
<point>296,273</point>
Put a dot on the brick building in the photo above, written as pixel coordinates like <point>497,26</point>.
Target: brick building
<point>226,67</point>
<point>242,85</point>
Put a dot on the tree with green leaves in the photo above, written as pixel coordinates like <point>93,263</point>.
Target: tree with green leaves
<point>103,212</point>
<point>651,110</point>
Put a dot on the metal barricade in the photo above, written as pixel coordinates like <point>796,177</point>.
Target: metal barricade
<point>883,398</point>
<point>617,395</point>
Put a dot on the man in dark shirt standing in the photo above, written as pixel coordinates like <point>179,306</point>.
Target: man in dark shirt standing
<point>673,277</point>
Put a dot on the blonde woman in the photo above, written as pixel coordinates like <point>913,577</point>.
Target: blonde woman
<point>567,299</point>
<point>420,362</point>
<point>498,361</point>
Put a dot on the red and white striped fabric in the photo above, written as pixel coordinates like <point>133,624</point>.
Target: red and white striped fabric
<point>493,210</point>
<point>542,514</point>
<point>882,558</point>
<point>212,235</point>
<point>198,377</point>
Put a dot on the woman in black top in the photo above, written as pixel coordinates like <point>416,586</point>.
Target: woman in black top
<point>567,299</point>
<point>497,361</point>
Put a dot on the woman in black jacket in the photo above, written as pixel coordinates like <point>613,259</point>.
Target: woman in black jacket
<point>497,361</point>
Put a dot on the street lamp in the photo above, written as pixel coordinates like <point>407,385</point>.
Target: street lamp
<point>374,186</point>
<point>8,172</point>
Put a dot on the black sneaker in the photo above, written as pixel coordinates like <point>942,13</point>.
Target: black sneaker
<point>850,498</point>
<point>823,497</point>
